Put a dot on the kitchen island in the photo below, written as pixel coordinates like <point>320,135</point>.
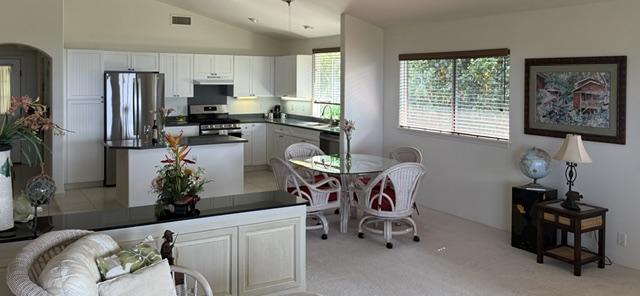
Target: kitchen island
<point>222,158</point>
<point>248,244</point>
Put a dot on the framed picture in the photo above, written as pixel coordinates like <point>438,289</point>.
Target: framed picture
<point>583,96</point>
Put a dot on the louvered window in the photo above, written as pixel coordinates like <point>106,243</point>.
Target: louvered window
<point>5,88</point>
<point>463,93</point>
<point>326,75</point>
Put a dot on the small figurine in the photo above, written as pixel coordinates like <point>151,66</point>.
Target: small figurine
<point>166,251</point>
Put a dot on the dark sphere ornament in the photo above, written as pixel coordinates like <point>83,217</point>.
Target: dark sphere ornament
<point>40,189</point>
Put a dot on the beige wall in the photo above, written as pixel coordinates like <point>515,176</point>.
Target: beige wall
<point>144,25</point>
<point>305,46</point>
<point>39,24</point>
<point>473,179</point>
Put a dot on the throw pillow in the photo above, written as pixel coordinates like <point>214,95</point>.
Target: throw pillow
<point>74,272</point>
<point>127,260</point>
<point>154,280</point>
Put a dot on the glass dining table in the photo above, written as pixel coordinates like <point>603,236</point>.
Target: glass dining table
<point>348,168</point>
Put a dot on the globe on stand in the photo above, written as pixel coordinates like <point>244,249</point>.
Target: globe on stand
<point>535,163</point>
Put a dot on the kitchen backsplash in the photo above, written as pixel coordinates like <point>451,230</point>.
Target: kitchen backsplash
<point>251,106</point>
<point>243,106</point>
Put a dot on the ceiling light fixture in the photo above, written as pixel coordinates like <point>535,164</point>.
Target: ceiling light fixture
<point>289,5</point>
<point>253,20</point>
<point>307,27</point>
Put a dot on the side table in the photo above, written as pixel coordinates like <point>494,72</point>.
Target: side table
<point>590,218</point>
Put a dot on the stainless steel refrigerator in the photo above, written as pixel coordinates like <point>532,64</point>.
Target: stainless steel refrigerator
<point>130,97</point>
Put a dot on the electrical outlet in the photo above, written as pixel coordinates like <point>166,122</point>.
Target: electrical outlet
<point>622,239</point>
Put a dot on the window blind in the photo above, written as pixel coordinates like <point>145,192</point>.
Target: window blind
<point>5,88</point>
<point>456,94</point>
<point>326,75</point>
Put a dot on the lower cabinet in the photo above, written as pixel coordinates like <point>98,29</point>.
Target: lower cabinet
<point>269,257</point>
<point>212,253</point>
<point>255,151</point>
<point>284,136</point>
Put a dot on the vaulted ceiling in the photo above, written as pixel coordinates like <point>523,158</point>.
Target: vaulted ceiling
<point>324,15</point>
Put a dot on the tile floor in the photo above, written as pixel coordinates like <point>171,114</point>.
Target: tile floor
<point>99,198</point>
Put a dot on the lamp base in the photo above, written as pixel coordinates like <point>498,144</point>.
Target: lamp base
<point>570,203</point>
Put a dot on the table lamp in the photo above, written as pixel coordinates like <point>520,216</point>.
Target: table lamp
<point>572,151</point>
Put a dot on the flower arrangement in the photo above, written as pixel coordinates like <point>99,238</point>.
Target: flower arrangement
<point>348,126</point>
<point>177,182</point>
<point>24,121</point>
<point>162,114</point>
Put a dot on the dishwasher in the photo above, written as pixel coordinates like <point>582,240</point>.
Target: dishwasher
<point>330,143</point>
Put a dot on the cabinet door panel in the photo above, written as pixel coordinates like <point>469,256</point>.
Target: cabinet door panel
<point>223,65</point>
<point>117,61</point>
<point>262,72</point>
<point>184,75</point>
<point>212,253</point>
<point>84,146</point>
<point>168,68</point>
<point>259,147</point>
<point>242,76</point>
<point>269,257</point>
<point>84,74</point>
<point>283,76</point>
<point>144,61</point>
<point>202,66</point>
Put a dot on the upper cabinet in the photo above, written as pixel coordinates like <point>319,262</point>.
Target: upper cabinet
<point>213,66</point>
<point>84,74</point>
<point>253,76</point>
<point>131,61</point>
<point>293,76</point>
<point>178,74</point>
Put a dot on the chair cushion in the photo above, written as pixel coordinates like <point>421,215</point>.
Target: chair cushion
<point>153,280</point>
<point>384,203</point>
<point>74,272</point>
<point>128,260</point>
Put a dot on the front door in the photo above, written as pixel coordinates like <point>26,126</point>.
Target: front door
<point>10,73</point>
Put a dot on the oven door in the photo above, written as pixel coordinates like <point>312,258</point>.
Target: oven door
<point>235,133</point>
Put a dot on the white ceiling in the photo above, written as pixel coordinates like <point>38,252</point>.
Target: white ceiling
<point>324,15</point>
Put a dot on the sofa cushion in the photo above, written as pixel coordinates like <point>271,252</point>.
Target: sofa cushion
<point>74,272</point>
<point>153,280</point>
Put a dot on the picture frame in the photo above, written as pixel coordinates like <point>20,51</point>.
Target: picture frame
<point>582,95</point>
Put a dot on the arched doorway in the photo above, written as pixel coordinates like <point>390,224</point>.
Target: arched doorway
<point>25,71</point>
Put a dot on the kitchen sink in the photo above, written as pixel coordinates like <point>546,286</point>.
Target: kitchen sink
<point>316,124</point>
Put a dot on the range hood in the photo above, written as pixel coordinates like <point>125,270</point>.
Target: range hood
<point>213,81</point>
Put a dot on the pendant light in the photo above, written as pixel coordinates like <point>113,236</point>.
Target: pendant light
<point>289,5</point>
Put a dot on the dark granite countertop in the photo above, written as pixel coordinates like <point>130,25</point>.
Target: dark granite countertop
<point>140,216</point>
<point>191,141</point>
<point>294,121</point>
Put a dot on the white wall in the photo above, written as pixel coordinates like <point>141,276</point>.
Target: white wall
<point>39,24</point>
<point>362,59</point>
<point>145,25</point>
<point>472,179</point>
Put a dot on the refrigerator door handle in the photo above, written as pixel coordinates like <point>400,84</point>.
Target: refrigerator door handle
<point>136,106</point>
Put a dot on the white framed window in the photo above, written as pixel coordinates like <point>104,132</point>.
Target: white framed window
<point>326,82</point>
<point>461,93</point>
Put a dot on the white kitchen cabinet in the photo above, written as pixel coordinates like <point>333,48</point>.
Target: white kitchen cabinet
<point>186,130</point>
<point>178,74</point>
<point>283,136</point>
<point>131,61</point>
<point>84,145</point>
<point>293,76</point>
<point>214,254</point>
<point>253,76</point>
<point>269,256</point>
<point>84,74</point>
<point>255,151</point>
<point>213,66</point>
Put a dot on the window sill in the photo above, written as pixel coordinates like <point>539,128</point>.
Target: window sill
<point>454,137</point>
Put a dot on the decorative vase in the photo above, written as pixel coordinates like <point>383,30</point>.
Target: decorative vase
<point>6,192</point>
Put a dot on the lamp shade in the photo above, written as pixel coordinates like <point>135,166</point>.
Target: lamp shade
<point>572,150</point>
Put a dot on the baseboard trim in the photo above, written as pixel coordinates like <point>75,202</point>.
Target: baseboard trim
<point>82,185</point>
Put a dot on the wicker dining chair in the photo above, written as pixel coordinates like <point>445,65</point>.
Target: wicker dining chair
<point>305,150</point>
<point>388,204</point>
<point>406,154</point>
<point>321,194</point>
<point>24,271</point>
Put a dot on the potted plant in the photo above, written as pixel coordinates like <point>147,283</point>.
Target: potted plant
<point>23,122</point>
<point>178,183</point>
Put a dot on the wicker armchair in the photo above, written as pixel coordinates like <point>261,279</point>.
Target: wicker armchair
<point>389,198</point>
<point>305,150</point>
<point>23,272</point>
<point>322,194</point>
<point>406,154</point>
